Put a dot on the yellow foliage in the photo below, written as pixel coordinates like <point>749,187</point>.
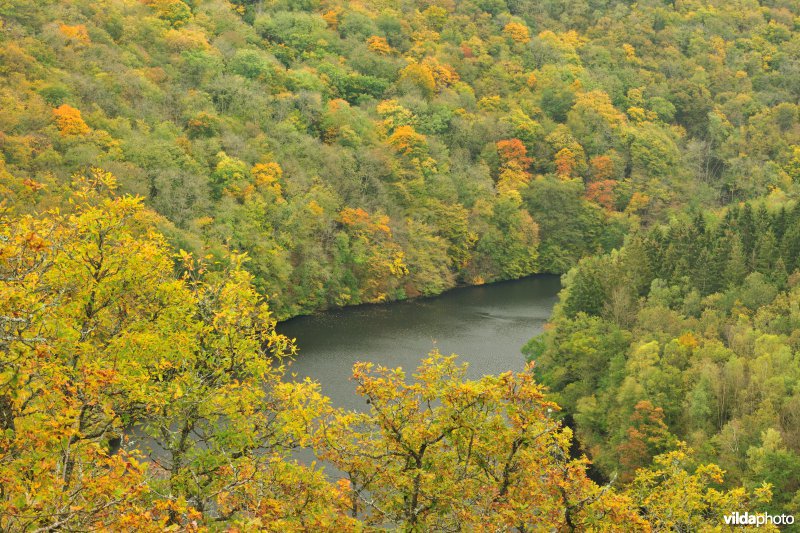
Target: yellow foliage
<point>568,42</point>
<point>315,208</point>
<point>421,76</point>
<point>267,175</point>
<point>636,95</point>
<point>688,340</point>
<point>600,103</point>
<point>517,32</point>
<point>512,178</point>
<point>379,45</point>
<point>676,495</point>
<point>720,48</point>
<point>572,38</point>
<point>398,266</point>
<point>462,437</point>
<point>436,16</point>
<point>394,115</point>
<point>175,12</point>
<point>490,103</point>
<point>638,114</point>
<point>186,39</point>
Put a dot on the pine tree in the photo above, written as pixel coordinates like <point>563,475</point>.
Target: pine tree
<point>736,266</point>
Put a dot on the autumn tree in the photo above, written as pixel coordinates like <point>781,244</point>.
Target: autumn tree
<point>678,494</point>
<point>646,437</point>
<point>443,452</point>
<point>100,341</point>
<point>69,121</point>
<point>517,32</point>
<point>514,162</point>
<point>73,288</point>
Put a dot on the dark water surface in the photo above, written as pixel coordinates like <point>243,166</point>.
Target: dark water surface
<point>486,326</point>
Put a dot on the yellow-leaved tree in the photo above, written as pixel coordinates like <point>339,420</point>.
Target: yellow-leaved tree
<point>448,454</point>
<point>101,341</point>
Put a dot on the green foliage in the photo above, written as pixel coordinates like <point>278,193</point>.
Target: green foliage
<point>624,122</point>
<point>689,331</point>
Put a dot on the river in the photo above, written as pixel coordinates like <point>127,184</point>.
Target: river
<point>485,325</point>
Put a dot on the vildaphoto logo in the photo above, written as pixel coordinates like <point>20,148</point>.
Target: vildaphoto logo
<point>758,519</point>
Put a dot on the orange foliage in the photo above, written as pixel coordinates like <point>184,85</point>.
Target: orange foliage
<point>639,201</point>
<point>155,74</point>
<point>565,163</point>
<point>33,185</point>
<point>75,33</point>
<point>407,141</point>
<point>647,436</point>
<point>361,220</point>
<point>332,18</point>
<point>203,124</point>
<point>601,167</point>
<point>443,75</point>
<point>69,121</point>
<point>514,165</point>
<point>602,193</point>
<point>514,151</point>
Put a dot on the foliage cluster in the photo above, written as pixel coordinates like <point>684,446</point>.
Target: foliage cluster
<point>620,113</point>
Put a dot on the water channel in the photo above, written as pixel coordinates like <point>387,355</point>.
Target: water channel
<point>485,325</point>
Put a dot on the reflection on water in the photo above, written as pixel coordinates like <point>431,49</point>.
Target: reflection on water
<point>485,325</point>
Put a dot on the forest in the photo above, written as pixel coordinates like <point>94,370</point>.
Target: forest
<point>177,176</point>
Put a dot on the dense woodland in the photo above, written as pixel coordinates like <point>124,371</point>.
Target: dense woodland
<point>689,333</point>
<point>175,176</point>
<point>360,152</point>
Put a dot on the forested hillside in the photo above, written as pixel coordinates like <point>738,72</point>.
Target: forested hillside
<point>379,150</point>
<point>690,332</point>
<point>178,175</point>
